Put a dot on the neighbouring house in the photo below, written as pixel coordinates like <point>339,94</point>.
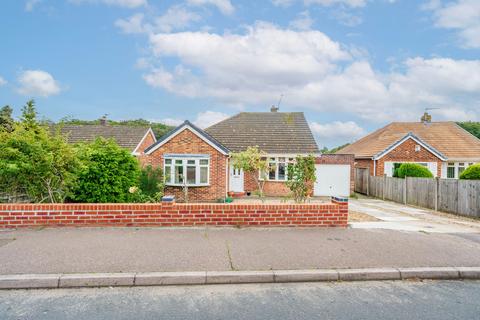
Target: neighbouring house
<point>203,156</point>
<point>444,148</point>
<point>133,138</point>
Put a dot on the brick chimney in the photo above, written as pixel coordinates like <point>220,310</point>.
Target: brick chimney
<point>426,118</point>
<point>273,109</point>
<point>103,120</point>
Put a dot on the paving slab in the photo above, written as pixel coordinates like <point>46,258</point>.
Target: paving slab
<point>29,281</point>
<point>96,280</point>
<point>223,277</point>
<point>369,274</point>
<point>305,275</point>
<point>430,273</point>
<point>170,278</point>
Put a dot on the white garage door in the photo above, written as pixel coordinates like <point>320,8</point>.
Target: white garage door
<point>332,180</point>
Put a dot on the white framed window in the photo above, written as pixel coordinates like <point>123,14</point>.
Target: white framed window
<point>191,170</point>
<point>278,168</point>
<point>455,169</point>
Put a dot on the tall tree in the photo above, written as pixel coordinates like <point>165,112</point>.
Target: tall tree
<point>29,116</point>
<point>6,120</point>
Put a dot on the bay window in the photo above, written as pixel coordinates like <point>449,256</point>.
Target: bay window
<point>192,170</point>
<point>277,168</point>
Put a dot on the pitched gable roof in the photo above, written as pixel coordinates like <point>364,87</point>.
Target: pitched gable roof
<point>128,137</point>
<point>272,132</point>
<point>447,138</point>
<point>190,126</point>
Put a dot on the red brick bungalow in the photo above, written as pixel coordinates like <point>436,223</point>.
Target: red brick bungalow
<point>444,148</point>
<point>203,156</point>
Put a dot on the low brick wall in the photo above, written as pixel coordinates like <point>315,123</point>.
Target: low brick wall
<point>173,215</point>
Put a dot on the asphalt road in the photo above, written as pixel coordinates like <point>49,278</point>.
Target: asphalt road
<point>355,300</point>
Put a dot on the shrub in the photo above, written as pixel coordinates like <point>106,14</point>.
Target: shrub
<point>471,173</point>
<point>151,185</point>
<point>108,173</point>
<point>35,162</point>
<point>413,170</point>
<point>301,176</point>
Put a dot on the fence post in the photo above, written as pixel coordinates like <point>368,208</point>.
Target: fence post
<point>384,186</point>
<point>405,190</point>
<point>437,194</point>
<point>368,182</point>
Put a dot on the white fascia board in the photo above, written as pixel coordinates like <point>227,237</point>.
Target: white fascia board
<point>186,126</point>
<point>135,151</point>
<point>380,155</point>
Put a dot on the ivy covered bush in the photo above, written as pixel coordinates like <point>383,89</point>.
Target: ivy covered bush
<point>108,173</point>
<point>413,170</point>
<point>471,173</point>
<point>301,177</point>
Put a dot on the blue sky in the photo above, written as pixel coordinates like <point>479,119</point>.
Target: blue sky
<point>350,65</point>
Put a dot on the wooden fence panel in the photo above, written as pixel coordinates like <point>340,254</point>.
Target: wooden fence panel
<point>421,192</point>
<point>448,195</point>
<point>394,189</point>
<point>376,186</point>
<point>361,180</point>
<point>469,198</point>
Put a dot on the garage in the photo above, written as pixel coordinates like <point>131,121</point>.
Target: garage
<point>332,180</point>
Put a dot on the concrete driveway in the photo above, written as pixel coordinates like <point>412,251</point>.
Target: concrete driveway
<point>400,217</point>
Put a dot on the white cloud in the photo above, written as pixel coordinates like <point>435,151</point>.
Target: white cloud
<point>170,122</point>
<point>30,4</point>
<point>225,6</point>
<point>254,67</point>
<point>37,83</point>
<point>2,82</point>
<point>176,17</point>
<point>203,119</point>
<point>350,3</point>
<point>336,132</point>
<point>302,22</point>
<point>208,118</point>
<point>131,25</point>
<point>460,15</point>
<point>282,3</point>
<point>118,3</point>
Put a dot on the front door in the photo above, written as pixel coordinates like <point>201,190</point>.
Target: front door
<point>236,180</point>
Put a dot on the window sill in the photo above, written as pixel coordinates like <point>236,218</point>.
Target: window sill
<point>188,185</point>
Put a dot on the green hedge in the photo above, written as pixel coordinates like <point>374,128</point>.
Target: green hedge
<point>413,170</point>
<point>471,173</point>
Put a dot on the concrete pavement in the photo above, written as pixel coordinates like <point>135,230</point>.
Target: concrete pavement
<point>99,250</point>
<point>436,300</point>
<point>395,216</point>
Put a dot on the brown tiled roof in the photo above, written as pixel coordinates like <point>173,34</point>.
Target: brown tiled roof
<point>446,137</point>
<point>127,137</point>
<point>272,132</point>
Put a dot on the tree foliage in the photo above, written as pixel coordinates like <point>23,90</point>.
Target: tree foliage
<point>301,177</point>
<point>107,173</point>
<point>333,150</point>
<point>413,170</point>
<point>159,129</point>
<point>6,120</point>
<point>472,127</point>
<point>252,161</point>
<point>471,173</point>
<point>36,162</point>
